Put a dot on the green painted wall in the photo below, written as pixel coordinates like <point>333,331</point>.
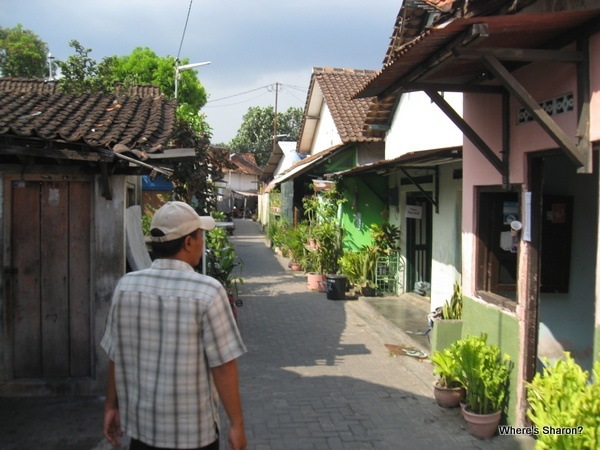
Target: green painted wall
<point>502,330</point>
<point>365,202</point>
<point>596,356</point>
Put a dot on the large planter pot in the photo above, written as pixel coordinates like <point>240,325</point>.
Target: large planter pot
<point>448,397</point>
<point>482,426</point>
<point>444,333</point>
<point>316,282</point>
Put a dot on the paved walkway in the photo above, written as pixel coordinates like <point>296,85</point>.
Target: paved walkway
<point>317,375</point>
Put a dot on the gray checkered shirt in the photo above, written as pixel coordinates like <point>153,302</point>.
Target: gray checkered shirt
<point>166,327</point>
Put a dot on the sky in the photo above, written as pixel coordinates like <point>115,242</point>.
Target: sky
<point>251,44</point>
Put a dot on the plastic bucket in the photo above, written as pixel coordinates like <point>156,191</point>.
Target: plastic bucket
<point>336,287</point>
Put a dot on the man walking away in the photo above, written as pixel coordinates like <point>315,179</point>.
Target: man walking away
<point>172,344</point>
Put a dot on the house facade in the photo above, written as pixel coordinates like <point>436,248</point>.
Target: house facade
<point>331,139</point>
<point>240,191</point>
<point>529,225</point>
<point>69,167</point>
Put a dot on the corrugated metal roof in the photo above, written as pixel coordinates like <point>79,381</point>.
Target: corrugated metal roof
<point>423,158</point>
<point>525,31</point>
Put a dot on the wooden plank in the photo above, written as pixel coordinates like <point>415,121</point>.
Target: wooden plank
<point>467,131</point>
<point>27,361</point>
<point>533,107</point>
<point>79,279</point>
<point>21,150</point>
<point>520,54</point>
<point>54,274</point>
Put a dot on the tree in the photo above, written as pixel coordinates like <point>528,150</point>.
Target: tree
<point>193,180</point>
<point>83,74</point>
<point>80,71</point>
<point>22,53</point>
<point>255,135</point>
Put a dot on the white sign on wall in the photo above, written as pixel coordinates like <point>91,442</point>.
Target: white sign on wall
<point>413,212</point>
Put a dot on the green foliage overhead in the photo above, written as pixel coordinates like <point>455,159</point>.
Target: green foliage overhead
<point>22,53</point>
<point>82,74</point>
<point>255,134</point>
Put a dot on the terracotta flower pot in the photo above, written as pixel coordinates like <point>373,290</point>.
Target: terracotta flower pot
<point>448,397</point>
<point>316,282</point>
<point>295,266</point>
<point>482,426</point>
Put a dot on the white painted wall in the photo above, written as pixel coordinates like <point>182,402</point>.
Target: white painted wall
<point>446,232</point>
<point>419,124</point>
<point>326,134</point>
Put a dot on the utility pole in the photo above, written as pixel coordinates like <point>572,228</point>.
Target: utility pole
<point>275,117</point>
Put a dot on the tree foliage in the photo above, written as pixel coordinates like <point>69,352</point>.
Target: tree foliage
<point>193,180</point>
<point>22,53</point>
<point>255,134</point>
<point>82,74</point>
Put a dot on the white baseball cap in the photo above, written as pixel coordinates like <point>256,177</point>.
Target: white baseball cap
<point>178,219</point>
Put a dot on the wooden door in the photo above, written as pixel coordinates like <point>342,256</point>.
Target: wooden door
<point>50,268</point>
<point>418,242</point>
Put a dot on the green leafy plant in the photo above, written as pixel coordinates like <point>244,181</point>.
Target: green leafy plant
<point>452,309</point>
<point>446,366</point>
<point>360,267</point>
<point>222,259</point>
<point>386,238</point>
<point>563,397</point>
<point>324,229</point>
<point>484,372</point>
<point>296,242</point>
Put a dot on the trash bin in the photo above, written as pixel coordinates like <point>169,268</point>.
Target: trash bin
<point>336,287</point>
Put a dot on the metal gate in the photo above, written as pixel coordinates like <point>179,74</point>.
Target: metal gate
<point>418,241</point>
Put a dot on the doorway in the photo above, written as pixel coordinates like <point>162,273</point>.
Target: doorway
<point>418,239</point>
<point>49,278</point>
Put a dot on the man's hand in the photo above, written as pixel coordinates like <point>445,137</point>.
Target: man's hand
<point>236,438</point>
<point>111,428</point>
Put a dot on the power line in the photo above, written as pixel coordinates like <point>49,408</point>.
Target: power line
<point>237,95</point>
<point>184,30</point>
<point>234,104</point>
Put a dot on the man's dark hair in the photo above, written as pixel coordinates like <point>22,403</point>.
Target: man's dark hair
<point>169,248</point>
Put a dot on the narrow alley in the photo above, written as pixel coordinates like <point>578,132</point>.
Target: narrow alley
<point>318,375</point>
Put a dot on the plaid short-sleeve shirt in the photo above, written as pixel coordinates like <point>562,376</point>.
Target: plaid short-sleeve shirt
<point>166,328</point>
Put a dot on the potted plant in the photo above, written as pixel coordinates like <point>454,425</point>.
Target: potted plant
<point>448,389</point>
<point>484,372</point>
<point>446,321</point>
<point>222,260</point>
<point>564,397</point>
<point>324,237</point>
<point>296,245</point>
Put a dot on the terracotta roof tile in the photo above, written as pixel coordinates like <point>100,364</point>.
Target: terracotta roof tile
<point>246,164</point>
<point>38,85</point>
<point>93,119</point>
<point>338,87</point>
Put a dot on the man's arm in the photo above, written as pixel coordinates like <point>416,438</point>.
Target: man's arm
<point>111,427</point>
<point>227,384</point>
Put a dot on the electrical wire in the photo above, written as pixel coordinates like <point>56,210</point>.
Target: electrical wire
<point>184,29</point>
<point>237,95</point>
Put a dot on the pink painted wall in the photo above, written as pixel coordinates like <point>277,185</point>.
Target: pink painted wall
<point>483,114</point>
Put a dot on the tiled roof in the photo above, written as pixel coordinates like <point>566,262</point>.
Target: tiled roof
<point>246,164</point>
<point>43,86</point>
<point>128,122</point>
<point>338,87</point>
<point>39,85</point>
